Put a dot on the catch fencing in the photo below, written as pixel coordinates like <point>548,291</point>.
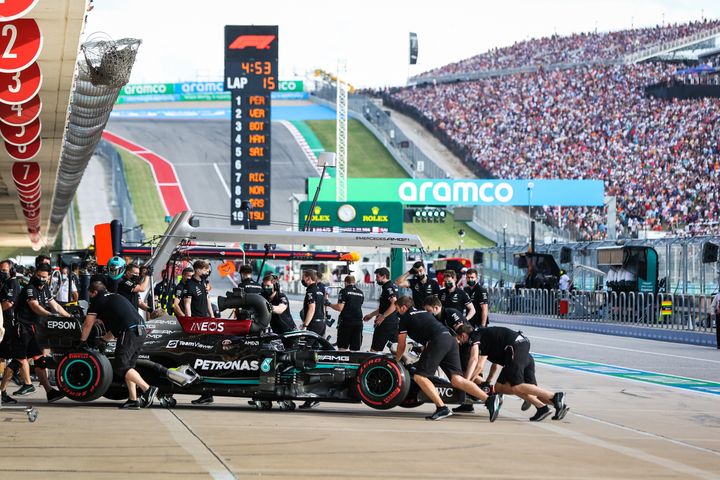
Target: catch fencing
<point>661,310</point>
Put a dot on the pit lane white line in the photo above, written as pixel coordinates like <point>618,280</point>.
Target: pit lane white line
<point>629,451</point>
<point>187,439</point>
<point>222,180</point>
<point>629,349</point>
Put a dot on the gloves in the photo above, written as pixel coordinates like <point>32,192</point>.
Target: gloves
<point>148,270</point>
<point>326,303</point>
<point>84,346</point>
<point>487,388</point>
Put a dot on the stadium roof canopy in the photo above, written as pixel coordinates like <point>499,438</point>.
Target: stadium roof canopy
<point>61,23</point>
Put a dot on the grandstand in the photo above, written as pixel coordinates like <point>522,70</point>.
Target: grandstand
<point>589,119</point>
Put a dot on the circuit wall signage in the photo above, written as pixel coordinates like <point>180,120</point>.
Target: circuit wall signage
<point>469,192</point>
<point>251,65</point>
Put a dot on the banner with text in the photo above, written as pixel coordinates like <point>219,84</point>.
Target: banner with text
<point>199,91</point>
<point>566,193</point>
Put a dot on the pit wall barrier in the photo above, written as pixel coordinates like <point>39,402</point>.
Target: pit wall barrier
<point>666,317</point>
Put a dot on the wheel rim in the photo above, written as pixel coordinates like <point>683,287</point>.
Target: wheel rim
<point>78,374</point>
<point>378,381</point>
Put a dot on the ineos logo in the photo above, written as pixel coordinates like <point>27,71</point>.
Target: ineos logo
<point>211,327</point>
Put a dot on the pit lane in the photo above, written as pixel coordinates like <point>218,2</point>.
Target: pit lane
<point>617,428</point>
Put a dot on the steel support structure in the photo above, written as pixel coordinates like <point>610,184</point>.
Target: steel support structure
<point>341,133</point>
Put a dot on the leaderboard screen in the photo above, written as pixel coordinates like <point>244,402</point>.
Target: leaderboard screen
<point>251,58</point>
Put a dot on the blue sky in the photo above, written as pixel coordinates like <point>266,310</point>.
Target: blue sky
<point>182,39</point>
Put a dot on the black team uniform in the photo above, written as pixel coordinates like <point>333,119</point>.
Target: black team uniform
<point>196,290</point>
<point>123,320</point>
<point>317,324</point>
<point>441,348</point>
<point>8,293</point>
<point>282,322</point>
<point>479,296</point>
<point>420,291</point>
<point>350,320</point>
<point>387,330</point>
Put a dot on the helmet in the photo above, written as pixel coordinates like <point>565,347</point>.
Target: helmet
<point>116,267</point>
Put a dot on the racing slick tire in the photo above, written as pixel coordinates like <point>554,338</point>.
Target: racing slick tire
<point>382,383</point>
<point>84,376</point>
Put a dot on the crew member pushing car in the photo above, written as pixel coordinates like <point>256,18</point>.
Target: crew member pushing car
<point>440,350</point>
<point>125,324</point>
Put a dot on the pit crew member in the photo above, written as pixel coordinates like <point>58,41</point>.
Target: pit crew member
<point>125,324</point>
<point>386,316</point>
<point>440,349</point>
<point>350,320</point>
<point>511,350</point>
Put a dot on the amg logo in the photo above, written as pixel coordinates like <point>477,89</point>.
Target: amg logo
<point>207,327</point>
<point>62,325</point>
<point>334,358</point>
<point>446,391</point>
<point>220,365</point>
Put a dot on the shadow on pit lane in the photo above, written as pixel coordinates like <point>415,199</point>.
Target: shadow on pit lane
<point>367,412</point>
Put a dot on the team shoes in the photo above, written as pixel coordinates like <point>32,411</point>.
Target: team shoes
<point>494,402</point>
<point>145,400</point>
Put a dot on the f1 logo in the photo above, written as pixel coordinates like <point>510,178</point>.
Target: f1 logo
<point>260,42</point>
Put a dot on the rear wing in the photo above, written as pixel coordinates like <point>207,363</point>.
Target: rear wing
<point>180,230</point>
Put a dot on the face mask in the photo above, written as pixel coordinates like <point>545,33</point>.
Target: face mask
<point>267,291</point>
<point>420,276</point>
<point>449,284</point>
<point>472,283</point>
<point>135,278</point>
<point>303,282</point>
<point>41,281</point>
<point>379,282</point>
<point>204,276</point>
<point>4,276</point>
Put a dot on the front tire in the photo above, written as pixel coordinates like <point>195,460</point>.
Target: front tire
<point>84,376</point>
<point>382,383</point>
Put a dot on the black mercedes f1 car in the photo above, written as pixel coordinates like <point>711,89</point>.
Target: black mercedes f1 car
<point>233,358</point>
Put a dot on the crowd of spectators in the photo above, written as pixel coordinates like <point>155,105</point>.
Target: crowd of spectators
<point>577,48</point>
<point>660,158</point>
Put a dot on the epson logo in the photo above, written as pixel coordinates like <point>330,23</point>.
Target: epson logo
<point>211,327</point>
<point>446,391</point>
<point>62,325</point>
<point>220,365</point>
<point>334,358</point>
<point>456,192</point>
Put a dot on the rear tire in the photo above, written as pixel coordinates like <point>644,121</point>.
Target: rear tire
<point>84,376</point>
<point>382,383</point>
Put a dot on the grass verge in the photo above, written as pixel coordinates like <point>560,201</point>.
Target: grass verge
<point>143,193</point>
<point>367,157</point>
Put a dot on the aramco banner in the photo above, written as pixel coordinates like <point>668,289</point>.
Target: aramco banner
<point>198,91</point>
<point>566,193</point>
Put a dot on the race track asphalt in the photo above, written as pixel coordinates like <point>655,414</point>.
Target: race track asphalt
<point>200,152</point>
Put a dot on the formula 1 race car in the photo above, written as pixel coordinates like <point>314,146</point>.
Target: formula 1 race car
<point>233,358</point>
<point>226,357</point>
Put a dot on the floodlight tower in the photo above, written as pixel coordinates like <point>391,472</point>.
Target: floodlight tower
<point>341,106</point>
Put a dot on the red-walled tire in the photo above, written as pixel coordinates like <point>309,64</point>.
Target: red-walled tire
<point>84,376</point>
<point>382,383</point>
